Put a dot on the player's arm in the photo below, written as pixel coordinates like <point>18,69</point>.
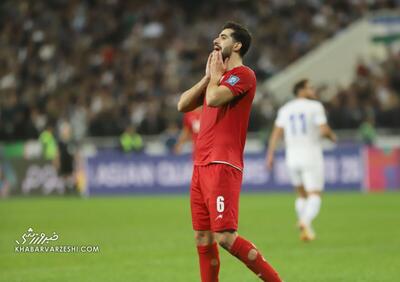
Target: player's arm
<point>327,132</point>
<point>217,95</point>
<point>194,97</point>
<point>184,136</point>
<point>276,136</point>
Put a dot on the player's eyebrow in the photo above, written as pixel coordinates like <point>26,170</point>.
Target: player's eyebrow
<point>223,35</point>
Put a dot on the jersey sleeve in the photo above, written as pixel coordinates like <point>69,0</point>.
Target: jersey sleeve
<point>319,115</point>
<point>239,81</point>
<point>280,120</point>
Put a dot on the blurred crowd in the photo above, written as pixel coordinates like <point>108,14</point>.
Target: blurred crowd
<point>373,97</point>
<point>103,66</point>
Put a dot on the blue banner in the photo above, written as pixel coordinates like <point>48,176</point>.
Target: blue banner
<point>343,166</point>
<point>113,172</point>
<point>119,173</point>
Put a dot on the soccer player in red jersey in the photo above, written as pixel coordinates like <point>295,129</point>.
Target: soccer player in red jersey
<point>190,130</point>
<point>226,93</point>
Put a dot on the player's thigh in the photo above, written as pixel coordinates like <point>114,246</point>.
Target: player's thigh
<point>223,183</point>
<point>313,178</point>
<point>295,176</point>
<point>198,206</point>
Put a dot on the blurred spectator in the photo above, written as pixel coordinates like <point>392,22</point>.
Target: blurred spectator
<point>367,132</point>
<point>65,158</point>
<point>99,63</point>
<point>171,136</point>
<point>372,97</point>
<point>130,140</point>
<point>49,143</point>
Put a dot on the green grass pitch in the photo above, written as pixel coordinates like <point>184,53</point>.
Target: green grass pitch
<point>149,239</point>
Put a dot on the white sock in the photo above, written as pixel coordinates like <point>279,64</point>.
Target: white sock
<point>312,208</point>
<point>300,205</point>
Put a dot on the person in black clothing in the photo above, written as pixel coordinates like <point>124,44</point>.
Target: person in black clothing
<point>65,160</point>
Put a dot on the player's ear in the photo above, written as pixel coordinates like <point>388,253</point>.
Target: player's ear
<point>237,46</point>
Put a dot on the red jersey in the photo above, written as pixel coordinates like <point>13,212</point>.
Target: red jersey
<point>191,121</point>
<point>223,129</point>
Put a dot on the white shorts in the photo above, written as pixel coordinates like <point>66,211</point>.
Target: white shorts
<point>311,177</point>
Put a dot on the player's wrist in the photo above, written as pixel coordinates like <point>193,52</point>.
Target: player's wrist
<point>214,79</point>
<point>207,77</point>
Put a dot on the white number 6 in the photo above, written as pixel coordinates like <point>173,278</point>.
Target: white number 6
<point>220,204</point>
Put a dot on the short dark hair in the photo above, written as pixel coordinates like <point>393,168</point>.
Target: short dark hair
<point>300,85</point>
<point>240,34</point>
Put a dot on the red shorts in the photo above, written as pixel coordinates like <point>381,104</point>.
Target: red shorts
<point>214,197</point>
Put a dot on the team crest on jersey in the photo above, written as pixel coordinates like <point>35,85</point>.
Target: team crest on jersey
<point>233,79</point>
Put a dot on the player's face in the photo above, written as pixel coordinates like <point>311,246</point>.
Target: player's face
<point>224,43</point>
<point>310,91</point>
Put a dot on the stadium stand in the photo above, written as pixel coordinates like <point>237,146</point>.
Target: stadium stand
<point>103,64</point>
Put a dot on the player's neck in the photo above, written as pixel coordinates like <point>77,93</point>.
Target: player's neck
<point>234,61</point>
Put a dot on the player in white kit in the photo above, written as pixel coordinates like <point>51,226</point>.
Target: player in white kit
<point>303,123</point>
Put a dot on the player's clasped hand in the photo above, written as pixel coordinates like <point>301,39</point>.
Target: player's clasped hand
<point>217,65</point>
<point>208,75</point>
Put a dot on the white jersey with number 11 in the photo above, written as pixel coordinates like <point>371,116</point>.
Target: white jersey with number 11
<point>301,119</point>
